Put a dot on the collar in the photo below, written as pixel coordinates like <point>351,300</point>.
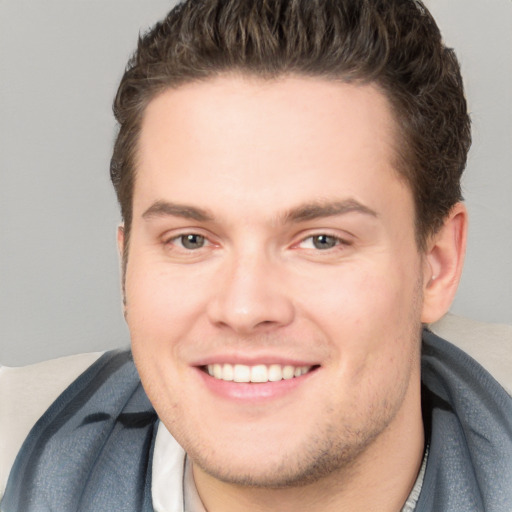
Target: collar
<point>174,489</point>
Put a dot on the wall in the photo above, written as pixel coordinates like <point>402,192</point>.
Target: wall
<point>481,32</point>
<point>60,62</point>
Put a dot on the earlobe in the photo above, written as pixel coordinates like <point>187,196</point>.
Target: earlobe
<point>443,264</point>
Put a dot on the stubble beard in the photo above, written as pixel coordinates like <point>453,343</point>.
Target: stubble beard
<point>333,450</point>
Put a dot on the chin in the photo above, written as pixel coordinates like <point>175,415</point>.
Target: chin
<point>276,467</point>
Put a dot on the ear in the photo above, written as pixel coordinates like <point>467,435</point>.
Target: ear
<point>120,248</point>
<point>120,240</point>
<point>443,263</point>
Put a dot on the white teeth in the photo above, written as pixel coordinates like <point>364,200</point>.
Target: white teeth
<point>227,372</point>
<point>257,373</point>
<point>217,371</point>
<point>288,372</point>
<point>241,373</point>
<point>275,373</point>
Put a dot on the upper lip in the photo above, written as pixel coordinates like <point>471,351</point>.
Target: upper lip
<point>253,360</point>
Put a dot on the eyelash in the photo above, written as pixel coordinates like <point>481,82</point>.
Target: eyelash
<point>179,240</point>
<point>336,239</point>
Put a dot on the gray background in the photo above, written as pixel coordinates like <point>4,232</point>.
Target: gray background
<point>60,61</point>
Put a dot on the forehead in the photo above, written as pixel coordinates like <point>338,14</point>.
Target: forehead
<point>248,141</point>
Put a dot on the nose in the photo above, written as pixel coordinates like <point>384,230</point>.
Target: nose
<point>251,296</point>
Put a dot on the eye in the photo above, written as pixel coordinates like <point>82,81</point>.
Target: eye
<point>190,241</point>
<point>320,242</point>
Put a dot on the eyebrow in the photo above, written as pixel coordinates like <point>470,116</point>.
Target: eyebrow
<point>302,213</point>
<point>316,210</point>
<point>165,208</point>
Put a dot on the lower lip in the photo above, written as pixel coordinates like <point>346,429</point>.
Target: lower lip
<point>247,391</point>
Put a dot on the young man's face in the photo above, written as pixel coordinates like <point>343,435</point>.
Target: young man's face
<point>273,239</point>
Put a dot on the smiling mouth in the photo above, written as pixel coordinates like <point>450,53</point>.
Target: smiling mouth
<point>259,373</point>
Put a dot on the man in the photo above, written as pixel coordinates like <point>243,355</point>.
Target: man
<point>289,179</point>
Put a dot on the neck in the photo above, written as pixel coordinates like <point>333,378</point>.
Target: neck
<point>380,480</point>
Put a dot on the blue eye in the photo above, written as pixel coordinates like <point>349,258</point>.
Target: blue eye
<point>323,242</point>
<point>320,242</point>
<point>192,241</point>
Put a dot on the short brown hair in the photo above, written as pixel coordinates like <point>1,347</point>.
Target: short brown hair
<point>394,44</point>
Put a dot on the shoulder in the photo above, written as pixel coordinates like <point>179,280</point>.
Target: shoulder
<point>467,410</point>
<point>25,394</point>
<point>489,344</point>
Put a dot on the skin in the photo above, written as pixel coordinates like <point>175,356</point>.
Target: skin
<point>258,169</point>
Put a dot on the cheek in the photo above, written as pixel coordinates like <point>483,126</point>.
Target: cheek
<point>160,304</point>
<point>373,327</point>
<point>361,296</point>
<point>371,317</point>
<point>158,314</point>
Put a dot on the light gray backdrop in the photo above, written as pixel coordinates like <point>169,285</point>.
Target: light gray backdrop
<point>60,61</point>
